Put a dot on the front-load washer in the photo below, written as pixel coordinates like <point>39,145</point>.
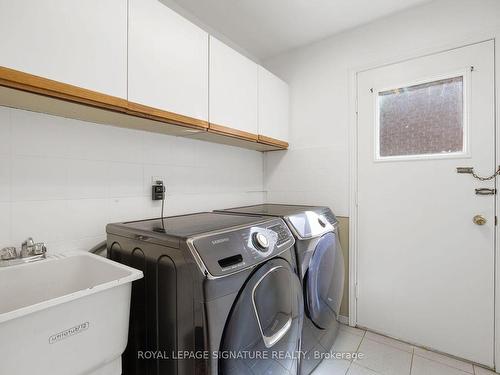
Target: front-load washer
<point>320,265</point>
<point>219,295</point>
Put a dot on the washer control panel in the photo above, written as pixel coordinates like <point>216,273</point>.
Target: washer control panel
<point>233,250</point>
<point>309,224</point>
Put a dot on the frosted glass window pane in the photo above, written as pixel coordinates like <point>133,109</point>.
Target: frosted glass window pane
<point>422,119</point>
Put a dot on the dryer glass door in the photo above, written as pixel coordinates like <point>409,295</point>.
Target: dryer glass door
<point>325,281</point>
<point>265,319</point>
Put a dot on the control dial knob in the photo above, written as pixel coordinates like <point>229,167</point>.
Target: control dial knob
<point>261,241</point>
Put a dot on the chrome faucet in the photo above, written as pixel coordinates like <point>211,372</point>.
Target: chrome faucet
<point>30,251</point>
<point>29,248</point>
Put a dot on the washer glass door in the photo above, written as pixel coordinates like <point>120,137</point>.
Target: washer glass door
<point>325,281</point>
<point>264,327</point>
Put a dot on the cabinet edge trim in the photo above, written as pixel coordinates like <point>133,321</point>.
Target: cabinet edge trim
<point>48,87</point>
<point>44,86</point>
<point>231,132</point>
<point>272,141</point>
<point>141,110</point>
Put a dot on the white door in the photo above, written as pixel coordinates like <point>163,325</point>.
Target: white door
<point>425,269</point>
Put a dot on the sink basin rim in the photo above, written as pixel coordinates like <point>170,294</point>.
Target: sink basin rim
<point>132,275</point>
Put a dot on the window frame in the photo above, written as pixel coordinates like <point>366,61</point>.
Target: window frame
<point>465,153</point>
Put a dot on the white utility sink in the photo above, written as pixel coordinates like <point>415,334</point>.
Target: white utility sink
<point>64,315</point>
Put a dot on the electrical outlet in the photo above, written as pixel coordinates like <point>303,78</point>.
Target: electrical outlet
<point>158,190</point>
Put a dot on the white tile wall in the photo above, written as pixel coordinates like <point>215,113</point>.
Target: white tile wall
<point>63,180</point>
<point>319,76</point>
<point>305,176</point>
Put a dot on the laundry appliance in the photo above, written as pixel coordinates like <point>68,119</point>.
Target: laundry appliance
<point>220,295</point>
<point>320,265</point>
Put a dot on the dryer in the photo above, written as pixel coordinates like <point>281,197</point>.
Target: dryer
<point>320,265</point>
<point>219,295</point>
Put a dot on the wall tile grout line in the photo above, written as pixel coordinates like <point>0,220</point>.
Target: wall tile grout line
<point>104,173</point>
<point>412,357</point>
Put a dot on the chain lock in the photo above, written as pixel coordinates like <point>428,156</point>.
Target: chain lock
<point>470,170</point>
<point>497,172</point>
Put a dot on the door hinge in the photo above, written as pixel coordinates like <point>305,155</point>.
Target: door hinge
<point>496,220</point>
<point>356,291</point>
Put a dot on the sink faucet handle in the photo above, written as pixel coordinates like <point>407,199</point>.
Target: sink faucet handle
<point>8,253</point>
<point>27,243</point>
<point>39,248</point>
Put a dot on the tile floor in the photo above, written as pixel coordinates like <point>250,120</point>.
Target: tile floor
<point>385,356</point>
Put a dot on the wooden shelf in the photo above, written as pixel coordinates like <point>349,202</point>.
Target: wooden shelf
<point>139,110</point>
<point>234,133</point>
<point>38,94</point>
<point>280,145</point>
<point>39,85</point>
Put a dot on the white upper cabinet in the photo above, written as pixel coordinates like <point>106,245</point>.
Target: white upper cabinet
<point>273,106</point>
<point>82,43</point>
<point>168,60</point>
<point>233,88</point>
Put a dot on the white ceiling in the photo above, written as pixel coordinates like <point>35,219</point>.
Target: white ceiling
<point>266,28</point>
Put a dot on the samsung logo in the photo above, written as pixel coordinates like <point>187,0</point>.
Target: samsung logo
<point>220,240</point>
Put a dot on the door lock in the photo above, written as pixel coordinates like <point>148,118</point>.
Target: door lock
<point>486,191</point>
<point>470,170</point>
<point>479,220</point>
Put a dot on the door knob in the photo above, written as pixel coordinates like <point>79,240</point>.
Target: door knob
<point>479,220</point>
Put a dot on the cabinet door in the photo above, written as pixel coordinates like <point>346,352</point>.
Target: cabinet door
<point>273,106</point>
<point>168,60</point>
<point>233,88</point>
<point>82,43</point>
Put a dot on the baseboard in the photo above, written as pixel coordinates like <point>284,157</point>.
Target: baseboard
<point>344,319</point>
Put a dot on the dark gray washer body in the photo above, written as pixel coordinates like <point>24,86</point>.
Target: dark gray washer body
<point>320,265</point>
<point>207,288</point>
